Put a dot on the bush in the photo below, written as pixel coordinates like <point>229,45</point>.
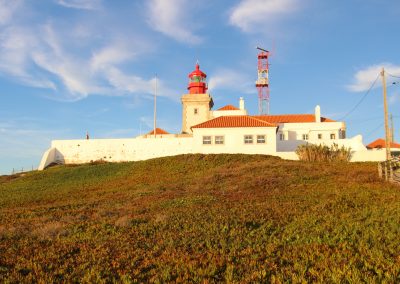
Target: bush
<point>323,153</point>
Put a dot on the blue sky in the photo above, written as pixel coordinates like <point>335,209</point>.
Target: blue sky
<point>71,66</point>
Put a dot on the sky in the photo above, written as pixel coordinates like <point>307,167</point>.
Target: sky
<point>72,66</point>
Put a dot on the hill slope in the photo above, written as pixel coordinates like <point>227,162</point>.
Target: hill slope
<point>200,217</point>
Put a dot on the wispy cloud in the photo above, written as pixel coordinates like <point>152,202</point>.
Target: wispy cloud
<point>7,9</point>
<point>110,55</point>
<point>80,4</point>
<point>223,78</point>
<point>70,68</point>
<point>364,78</point>
<point>170,18</point>
<point>250,14</point>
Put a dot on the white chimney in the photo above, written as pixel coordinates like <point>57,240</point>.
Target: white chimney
<point>317,114</point>
<point>241,103</point>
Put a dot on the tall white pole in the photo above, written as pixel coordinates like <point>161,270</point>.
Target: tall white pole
<point>387,131</point>
<point>155,107</point>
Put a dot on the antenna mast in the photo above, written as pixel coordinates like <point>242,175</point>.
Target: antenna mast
<point>262,82</point>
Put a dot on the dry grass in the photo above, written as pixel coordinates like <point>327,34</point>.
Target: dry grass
<point>323,153</point>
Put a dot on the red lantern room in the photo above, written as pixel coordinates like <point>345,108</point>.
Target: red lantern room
<point>197,81</point>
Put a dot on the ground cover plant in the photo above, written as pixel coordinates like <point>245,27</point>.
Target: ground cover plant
<point>200,218</point>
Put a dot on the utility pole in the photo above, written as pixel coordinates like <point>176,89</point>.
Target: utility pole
<point>155,107</point>
<point>387,131</point>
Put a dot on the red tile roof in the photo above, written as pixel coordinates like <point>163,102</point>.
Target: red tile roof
<point>228,107</point>
<point>381,143</point>
<point>291,118</point>
<point>234,121</point>
<point>158,131</point>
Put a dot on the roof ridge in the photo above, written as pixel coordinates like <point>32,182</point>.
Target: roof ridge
<point>252,117</point>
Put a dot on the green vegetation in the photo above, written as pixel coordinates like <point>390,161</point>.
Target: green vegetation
<point>323,153</point>
<point>200,218</point>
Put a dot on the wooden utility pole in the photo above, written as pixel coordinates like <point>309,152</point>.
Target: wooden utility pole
<point>387,132</point>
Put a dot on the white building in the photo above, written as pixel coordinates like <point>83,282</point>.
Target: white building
<point>226,130</point>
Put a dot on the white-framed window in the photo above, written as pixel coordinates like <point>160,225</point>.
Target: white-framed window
<point>333,136</point>
<point>305,137</point>
<point>281,136</point>
<point>319,135</point>
<point>219,140</point>
<point>248,139</point>
<point>260,139</point>
<point>206,140</point>
<point>196,111</point>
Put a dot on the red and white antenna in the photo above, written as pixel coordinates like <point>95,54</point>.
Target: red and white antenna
<point>262,82</point>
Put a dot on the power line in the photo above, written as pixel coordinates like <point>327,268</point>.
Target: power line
<point>362,99</point>
<point>394,76</point>
<point>373,130</point>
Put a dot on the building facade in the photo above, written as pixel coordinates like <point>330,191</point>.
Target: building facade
<point>229,129</point>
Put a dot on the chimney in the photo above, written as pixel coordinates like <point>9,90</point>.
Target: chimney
<point>241,103</point>
<point>317,114</point>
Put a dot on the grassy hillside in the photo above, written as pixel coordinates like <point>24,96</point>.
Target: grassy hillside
<point>232,218</point>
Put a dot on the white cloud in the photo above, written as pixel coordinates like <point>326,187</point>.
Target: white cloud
<point>135,84</point>
<point>110,55</point>
<point>249,14</point>
<point>364,78</point>
<point>7,9</point>
<point>168,17</point>
<point>80,4</point>
<point>231,79</point>
<point>51,62</point>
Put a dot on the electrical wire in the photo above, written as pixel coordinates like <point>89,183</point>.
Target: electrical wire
<point>362,99</point>
<point>373,130</point>
<point>394,76</point>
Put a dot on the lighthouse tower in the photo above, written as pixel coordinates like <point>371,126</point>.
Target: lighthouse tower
<point>196,105</point>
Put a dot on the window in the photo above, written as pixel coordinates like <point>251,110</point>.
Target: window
<point>206,140</point>
<point>305,136</point>
<point>196,111</point>
<point>248,139</point>
<point>219,139</point>
<point>319,136</point>
<point>281,136</point>
<point>333,136</point>
<point>260,139</point>
<point>343,134</point>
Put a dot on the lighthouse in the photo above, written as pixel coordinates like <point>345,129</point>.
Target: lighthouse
<point>196,105</point>
<point>197,81</point>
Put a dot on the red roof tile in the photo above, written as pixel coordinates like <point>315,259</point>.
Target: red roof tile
<point>381,143</point>
<point>228,107</point>
<point>291,118</point>
<point>158,131</point>
<point>234,121</point>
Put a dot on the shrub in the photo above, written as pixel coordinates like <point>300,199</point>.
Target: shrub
<point>323,153</point>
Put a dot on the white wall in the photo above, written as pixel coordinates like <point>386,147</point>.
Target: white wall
<point>355,143</point>
<point>134,149</point>
<point>369,155</point>
<point>218,113</point>
<point>190,102</point>
<point>117,150</point>
<point>48,157</point>
<point>234,140</point>
<point>294,131</point>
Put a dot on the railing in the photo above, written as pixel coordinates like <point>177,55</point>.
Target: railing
<point>390,170</point>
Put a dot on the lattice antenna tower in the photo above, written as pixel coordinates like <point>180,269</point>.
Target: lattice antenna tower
<point>262,82</point>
